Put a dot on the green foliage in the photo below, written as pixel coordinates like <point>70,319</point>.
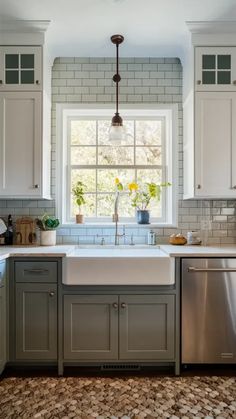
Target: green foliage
<point>141,199</point>
<point>78,192</point>
<point>47,222</point>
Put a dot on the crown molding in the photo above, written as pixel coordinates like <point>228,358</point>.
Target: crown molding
<point>23,26</point>
<point>212,26</point>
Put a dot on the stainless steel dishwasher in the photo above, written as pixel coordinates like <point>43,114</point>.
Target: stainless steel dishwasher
<point>208,311</point>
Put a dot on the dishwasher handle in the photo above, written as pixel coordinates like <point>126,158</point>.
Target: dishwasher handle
<point>194,270</point>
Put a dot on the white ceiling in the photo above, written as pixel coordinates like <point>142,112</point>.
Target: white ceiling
<point>151,28</point>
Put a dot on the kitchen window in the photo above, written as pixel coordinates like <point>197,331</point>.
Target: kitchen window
<point>85,153</point>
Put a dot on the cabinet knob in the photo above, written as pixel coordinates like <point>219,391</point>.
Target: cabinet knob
<point>234,187</point>
<point>1,82</point>
<point>198,186</point>
<point>199,82</point>
<point>37,82</point>
<point>52,294</point>
<point>234,82</point>
<point>115,305</point>
<point>123,305</point>
<point>36,186</point>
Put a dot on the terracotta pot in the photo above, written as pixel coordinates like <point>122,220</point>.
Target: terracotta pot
<point>79,218</point>
<point>48,237</point>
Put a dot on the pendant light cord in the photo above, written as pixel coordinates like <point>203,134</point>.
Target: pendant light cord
<point>117,77</point>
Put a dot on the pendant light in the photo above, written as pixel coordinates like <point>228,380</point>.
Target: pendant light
<point>117,132</point>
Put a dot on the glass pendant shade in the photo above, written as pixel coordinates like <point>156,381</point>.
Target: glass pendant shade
<point>117,131</point>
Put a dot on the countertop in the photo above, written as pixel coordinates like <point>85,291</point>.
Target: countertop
<point>65,250</point>
<point>199,251</point>
<point>37,251</point>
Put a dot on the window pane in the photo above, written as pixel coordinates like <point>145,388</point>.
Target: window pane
<point>12,61</point>
<point>103,132</point>
<point>155,207</point>
<point>83,132</point>
<point>87,176</point>
<point>89,209</point>
<point>83,155</point>
<point>105,203</point>
<point>27,60</point>
<point>27,76</point>
<point>224,62</point>
<point>223,77</point>
<point>208,62</point>
<point>148,132</point>
<point>149,175</point>
<point>106,178</point>
<point>12,77</point>
<point>208,77</point>
<point>115,155</point>
<point>124,208</point>
<point>148,155</point>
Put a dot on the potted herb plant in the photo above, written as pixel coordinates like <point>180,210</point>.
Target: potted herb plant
<point>140,199</point>
<point>78,192</point>
<point>47,225</point>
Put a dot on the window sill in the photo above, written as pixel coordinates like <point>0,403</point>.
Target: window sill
<point>112,224</point>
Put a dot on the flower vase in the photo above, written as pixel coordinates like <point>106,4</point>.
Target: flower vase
<point>143,216</point>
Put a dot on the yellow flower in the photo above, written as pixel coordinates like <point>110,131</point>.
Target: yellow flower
<point>133,186</point>
<point>117,181</point>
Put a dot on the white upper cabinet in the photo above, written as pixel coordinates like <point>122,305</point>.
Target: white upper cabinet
<point>215,69</point>
<point>215,145</point>
<point>20,68</point>
<point>20,146</point>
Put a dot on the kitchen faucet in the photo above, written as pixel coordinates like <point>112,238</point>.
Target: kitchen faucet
<point>115,219</point>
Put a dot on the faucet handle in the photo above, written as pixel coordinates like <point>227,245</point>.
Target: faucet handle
<point>132,240</point>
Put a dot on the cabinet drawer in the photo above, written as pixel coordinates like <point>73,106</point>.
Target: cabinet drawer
<point>36,271</point>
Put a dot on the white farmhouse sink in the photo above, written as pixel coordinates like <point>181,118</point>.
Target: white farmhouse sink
<point>123,265</point>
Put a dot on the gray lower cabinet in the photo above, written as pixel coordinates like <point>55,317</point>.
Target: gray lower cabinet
<point>3,317</point>
<point>36,321</point>
<point>90,327</point>
<point>147,327</point>
<point>122,327</point>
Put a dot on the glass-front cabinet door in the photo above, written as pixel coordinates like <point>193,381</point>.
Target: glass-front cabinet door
<point>215,68</point>
<point>20,68</point>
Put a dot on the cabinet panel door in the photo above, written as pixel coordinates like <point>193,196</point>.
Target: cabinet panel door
<point>21,68</point>
<point>20,144</point>
<point>215,69</point>
<point>3,319</point>
<point>215,145</point>
<point>147,327</point>
<point>90,327</point>
<point>36,321</point>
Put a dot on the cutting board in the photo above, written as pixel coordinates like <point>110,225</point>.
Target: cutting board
<point>25,231</point>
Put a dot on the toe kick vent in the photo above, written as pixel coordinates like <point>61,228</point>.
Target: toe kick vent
<point>120,367</point>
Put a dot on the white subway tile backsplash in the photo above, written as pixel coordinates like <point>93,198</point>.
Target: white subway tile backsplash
<point>144,80</point>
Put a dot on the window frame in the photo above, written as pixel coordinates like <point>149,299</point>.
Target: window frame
<point>84,111</point>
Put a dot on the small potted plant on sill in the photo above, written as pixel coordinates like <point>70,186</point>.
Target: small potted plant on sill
<point>140,199</point>
<point>47,225</point>
<point>78,192</point>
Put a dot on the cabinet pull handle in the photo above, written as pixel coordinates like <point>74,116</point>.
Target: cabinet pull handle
<point>36,186</point>
<point>36,271</point>
<point>199,82</point>
<point>123,305</point>
<point>198,186</point>
<point>1,82</point>
<point>115,305</point>
<point>234,82</point>
<point>52,294</point>
<point>37,82</point>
